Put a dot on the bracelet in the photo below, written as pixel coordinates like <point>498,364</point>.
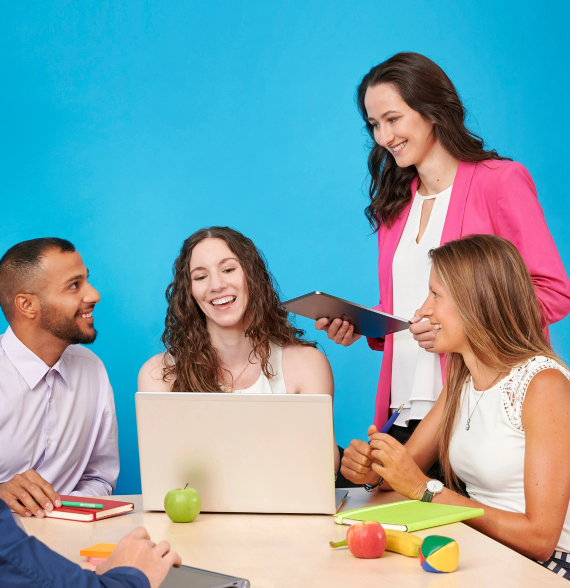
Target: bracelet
<point>369,488</point>
<point>421,488</point>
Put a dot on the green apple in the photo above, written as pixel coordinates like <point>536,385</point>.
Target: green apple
<point>182,505</point>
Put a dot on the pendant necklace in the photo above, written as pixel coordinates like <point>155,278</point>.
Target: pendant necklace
<point>231,388</point>
<point>467,424</point>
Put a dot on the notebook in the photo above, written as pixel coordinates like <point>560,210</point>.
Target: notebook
<point>112,508</point>
<point>101,550</point>
<point>409,515</point>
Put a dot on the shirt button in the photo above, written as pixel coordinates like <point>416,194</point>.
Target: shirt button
<point>49,400</point>
<point>49,442</point>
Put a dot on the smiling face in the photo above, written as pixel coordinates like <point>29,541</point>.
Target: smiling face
<point>66,298</point>
<point>219,285</point>
<point>442,314</point>
<point>403,131</point>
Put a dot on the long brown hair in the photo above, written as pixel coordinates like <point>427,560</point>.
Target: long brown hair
<point>502,319</point>
<point>425,88</point>
<point>195,365</point>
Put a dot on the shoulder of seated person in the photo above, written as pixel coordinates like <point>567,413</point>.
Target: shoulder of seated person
<point>546,381</point>
<point>547,396</point>
<point>153,367</point>
<point>304,354</point>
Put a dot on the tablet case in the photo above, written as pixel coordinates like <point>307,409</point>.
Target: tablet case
<point>367,321</point>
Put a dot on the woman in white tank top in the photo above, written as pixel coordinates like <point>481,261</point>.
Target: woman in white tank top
<point>502,421</point>
<point>225,330</point>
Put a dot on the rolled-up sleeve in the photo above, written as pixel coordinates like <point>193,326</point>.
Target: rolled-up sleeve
<point>520,219</point>
<point>100,475</point>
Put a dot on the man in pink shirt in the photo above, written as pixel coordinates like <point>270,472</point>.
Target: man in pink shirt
<point>58,429</point>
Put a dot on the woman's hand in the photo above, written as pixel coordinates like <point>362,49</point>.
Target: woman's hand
<point>392,461</point>
<point>341,332</point>
<point>423,332</point>
<point>356,463</point>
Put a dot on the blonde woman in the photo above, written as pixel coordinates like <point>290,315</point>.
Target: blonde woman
<point>502,421</point>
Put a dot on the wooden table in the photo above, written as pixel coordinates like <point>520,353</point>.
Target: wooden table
<point>292,551</point>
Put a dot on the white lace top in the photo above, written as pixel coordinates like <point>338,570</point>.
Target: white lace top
<point>489,457</point>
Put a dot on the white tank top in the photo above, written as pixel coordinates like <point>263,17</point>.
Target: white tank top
<point>274,385</point>
<point>416,373</point>
<point>489,457</point>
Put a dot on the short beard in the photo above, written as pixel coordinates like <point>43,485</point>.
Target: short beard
<point>64,328</point>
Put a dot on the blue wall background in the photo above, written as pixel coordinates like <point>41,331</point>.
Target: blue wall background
<point>124,127</point>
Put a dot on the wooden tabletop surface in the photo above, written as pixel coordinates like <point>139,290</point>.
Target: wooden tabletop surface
<point>292,551</point>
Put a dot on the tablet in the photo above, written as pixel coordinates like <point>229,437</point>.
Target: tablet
<point>367,321</point>
<point>187,577</point>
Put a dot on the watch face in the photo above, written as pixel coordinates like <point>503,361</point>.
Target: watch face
<point>434,486</point>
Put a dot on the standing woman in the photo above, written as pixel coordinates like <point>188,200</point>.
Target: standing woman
<point>432,182</point>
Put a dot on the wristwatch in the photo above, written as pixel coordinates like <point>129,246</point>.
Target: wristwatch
<point>433,487</point>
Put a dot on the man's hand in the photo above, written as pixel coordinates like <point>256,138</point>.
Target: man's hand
<point>24,488</point>
<point>356,463</point>
<point>136,550</point>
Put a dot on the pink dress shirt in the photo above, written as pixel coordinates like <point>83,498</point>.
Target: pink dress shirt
<point>492,197</point>
<point>59,421</point>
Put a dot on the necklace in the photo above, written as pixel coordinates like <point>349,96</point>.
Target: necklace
<point>467,424</point>
<point>231,388</point>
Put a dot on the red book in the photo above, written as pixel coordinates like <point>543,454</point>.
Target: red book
<point>111,508</point>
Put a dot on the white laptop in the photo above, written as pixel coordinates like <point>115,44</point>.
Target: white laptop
<point>242,452</point>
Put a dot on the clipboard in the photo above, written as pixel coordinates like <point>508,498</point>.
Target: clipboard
<point>367,321</point>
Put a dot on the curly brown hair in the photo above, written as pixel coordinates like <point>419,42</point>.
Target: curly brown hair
<point>195,365</point>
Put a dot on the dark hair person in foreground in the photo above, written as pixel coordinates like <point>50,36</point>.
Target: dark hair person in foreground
<point>225,330</point>
<point>432,181</point>
<point>502,421</point>
<point>26,562</point>
<point>58,429</point>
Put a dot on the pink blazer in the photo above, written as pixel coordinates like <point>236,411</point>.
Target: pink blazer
<point>496,197</point>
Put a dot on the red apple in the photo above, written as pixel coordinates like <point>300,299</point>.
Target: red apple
<point>365,540</point>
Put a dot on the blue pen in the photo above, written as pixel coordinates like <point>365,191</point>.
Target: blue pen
<point>391,420</point>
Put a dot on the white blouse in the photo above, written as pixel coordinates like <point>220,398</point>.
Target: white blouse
<point>275,385</point>
<point>489,457</point>
<point>416,373</point>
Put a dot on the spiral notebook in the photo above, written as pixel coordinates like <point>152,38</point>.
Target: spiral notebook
<point>409,515</point>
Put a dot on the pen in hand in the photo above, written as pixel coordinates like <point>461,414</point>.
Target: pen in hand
<point>391,420</point>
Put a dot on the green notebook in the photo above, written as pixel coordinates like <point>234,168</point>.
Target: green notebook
<point>409,515</point>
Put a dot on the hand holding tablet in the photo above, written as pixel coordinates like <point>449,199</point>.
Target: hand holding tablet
<point>339,330</point>
<point>361,319</point>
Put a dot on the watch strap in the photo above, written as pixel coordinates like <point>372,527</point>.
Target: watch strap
<point>427,496</point>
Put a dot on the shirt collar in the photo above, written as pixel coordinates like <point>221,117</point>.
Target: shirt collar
<point>29,365</point>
